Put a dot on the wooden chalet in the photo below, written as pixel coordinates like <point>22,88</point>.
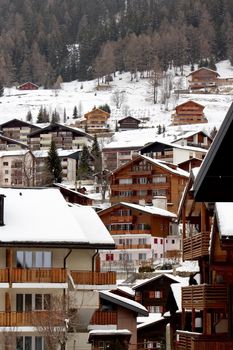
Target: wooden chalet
<point>74,197</point>
<point>129,123</point>
<point>7,143</point>
<point>156,295</point>
<point>189,112</point>
<point>109,339</point>
<point>28,86</point>
<point>114,156</point>
<point>95,121</point>
<point>189,164</point>
<point>202,78</point>
<point>142,234</point>
<point>118,313</point>
<point>195,139</point>
<point>143,178</point>
<point>207,237</point>
<point>18,130</point>
<point>65,137</point>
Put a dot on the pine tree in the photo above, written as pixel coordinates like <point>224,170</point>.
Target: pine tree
<point>75,112</point>
<point>29,116</point>
<point>55,117</point>
<point>1,90</point>
<point>105,108</point>
<point>96,153</point>
<point>84,168</point>
<point>64,116</point>
<point>40,118</point>
<point>54,164</point>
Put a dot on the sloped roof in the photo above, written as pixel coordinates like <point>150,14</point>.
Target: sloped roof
<point>9,140</point>
<point>214,180</point>
<point>19,123</point>
<point>42,217</point>
<point>125,302</point>
<point>55,126</point>
<point>154,278</point>
<point>129,117</point>
<point>223,212</point>
<point>194,102</point>
<point>201,68</point>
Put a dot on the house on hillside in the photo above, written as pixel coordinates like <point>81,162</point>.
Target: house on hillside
<point>40,272</point>
<point>143,178</point>
<point>202,78</point>
<point>194,139</point>
<point>17,129</point>
<point>119,313</point>
<point>142,234</point>
<point>28,86</point>
<point>207,307</point>
<point>172,152</point>
<point>95,121</point>
<point>65,137</point>
<point>129,123</point>
<point>189,112</point>
<point>115,155</point>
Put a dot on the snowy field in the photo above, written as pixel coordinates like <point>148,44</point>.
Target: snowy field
<point>16,104</point>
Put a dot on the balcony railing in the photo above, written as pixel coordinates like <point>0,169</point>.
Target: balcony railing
<point>93,278</point>
<point>132,232</point>
<point>196,246</point>
<point>204,296</point>
<point>126,218</point>
<point>133,246</point>
<point>14,319</point>
<point>18,275</point>
<point>104,318</point>
<point>198,341</point>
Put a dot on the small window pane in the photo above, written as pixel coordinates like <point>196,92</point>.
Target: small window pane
<point>28,259</point>
<point>19,303</point>
<point>20,259</point>
<point>19,343</point>
<point>28,343</point>
<point>28,302</point>
<point>38,302</point>
<point>47,259</point>
<point>38,343</point>
<point>39,259</point>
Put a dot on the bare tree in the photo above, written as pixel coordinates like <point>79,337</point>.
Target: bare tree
<point>29,169</point>
<point>8,338</point>
<point>118,98</point>
<point>155,79</point>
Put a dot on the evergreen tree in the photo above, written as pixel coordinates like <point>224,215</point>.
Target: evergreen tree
<point>84,168</point>
<point>55,117</point>
<point>1,90</point>
<point>29,116</point>
<point>64,116</point>
<point>54,164</point>
<point>213,132</point>
<point>105,108</point>
<point>40,116</point>
<point>75,112</point>
<point>96,153</point>
<point>159,129</point>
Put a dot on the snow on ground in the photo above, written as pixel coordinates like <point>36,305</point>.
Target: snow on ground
<point>16,103</point>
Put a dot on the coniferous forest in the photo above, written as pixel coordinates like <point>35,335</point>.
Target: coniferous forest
<point>46,40</point>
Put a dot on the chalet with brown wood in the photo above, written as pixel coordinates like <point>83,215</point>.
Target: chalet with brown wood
<point>194,139</point>
<point>207,229</point>
<point>65,137</point>
<point>202,78</point>
<point>95,121</point>
<point>8,144</point>
<point>189,112</point>
<point>119,313</point>
<point>142,234</point>
<point>18,130</point>
<point>129,123</point>
<point>115,156</point>
<point>143,178</point>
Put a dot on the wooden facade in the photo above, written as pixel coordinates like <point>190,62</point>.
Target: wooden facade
<point>65,137</point>
<point>143,178</point>
<point>202,78</point>
<point>129,123</point>
<point>189,112</point>
<point>114,157</point>
<point>95,121</point>
<point>17,130</point>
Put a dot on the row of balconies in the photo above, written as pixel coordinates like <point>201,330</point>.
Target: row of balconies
<point>56,275</point>
<point>197,341</point>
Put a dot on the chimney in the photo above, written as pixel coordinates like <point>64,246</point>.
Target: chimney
<point>160,202</point>
<point>2,196</point>
<point>142,202</point>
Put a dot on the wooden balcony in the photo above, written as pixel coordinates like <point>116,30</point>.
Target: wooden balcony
<point>198,341</point>
<point>18,275</point>
<point>196,246</point>
<point>23,319</point>
<point>205,296</point>
<point>104,318</point>
<point>131,232</point>
<point>93,278</point>
<point>133,246</point>
<point>137,187</point>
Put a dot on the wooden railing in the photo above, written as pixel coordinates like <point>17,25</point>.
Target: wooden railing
<point>14,319</point>
<point>126,218</point>
<point>198,341</point>
<point>93,278</point>
<point>18,275</point>
<point>133,246</point>
<point>196,246</point>
<point>204,296</point>
<point>132,232</point>
<point>104,318</point>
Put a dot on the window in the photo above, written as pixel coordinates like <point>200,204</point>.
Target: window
<point>5,180</point>
<point>159,179</point>
<point>155,308</point>
<point>160,192</point>
<point>5,163</point>
<point>155,294</point>
<point>173,241</point>
<point>161,241</point>
<point>142,193</point>
<point>28,259</point>
<point>29,343</point>
<point>125,181</point>
<point>155,240</point>
<point>29,302</point>
<point>142,241</point>
<point>6,172</point>
<point>109,257</point>
<point>142,180</point>
<point>142,256</point>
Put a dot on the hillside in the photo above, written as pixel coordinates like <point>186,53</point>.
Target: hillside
<point>16,104</point>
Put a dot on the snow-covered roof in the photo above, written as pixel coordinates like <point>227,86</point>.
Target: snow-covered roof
<point>61,152</point>
<point>146,321</point>
<point>43,216</point>
<point>162,164</point>
<point>122,301</point>
<point>127,290</point>
<point>224,218</point>
<point>17,152</point>
<point>110,332</point>
<point>176,290</point>
<point>150,209</point>
<point>148,280</point>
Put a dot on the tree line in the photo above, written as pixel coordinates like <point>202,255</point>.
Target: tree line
<point>43,40</point>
